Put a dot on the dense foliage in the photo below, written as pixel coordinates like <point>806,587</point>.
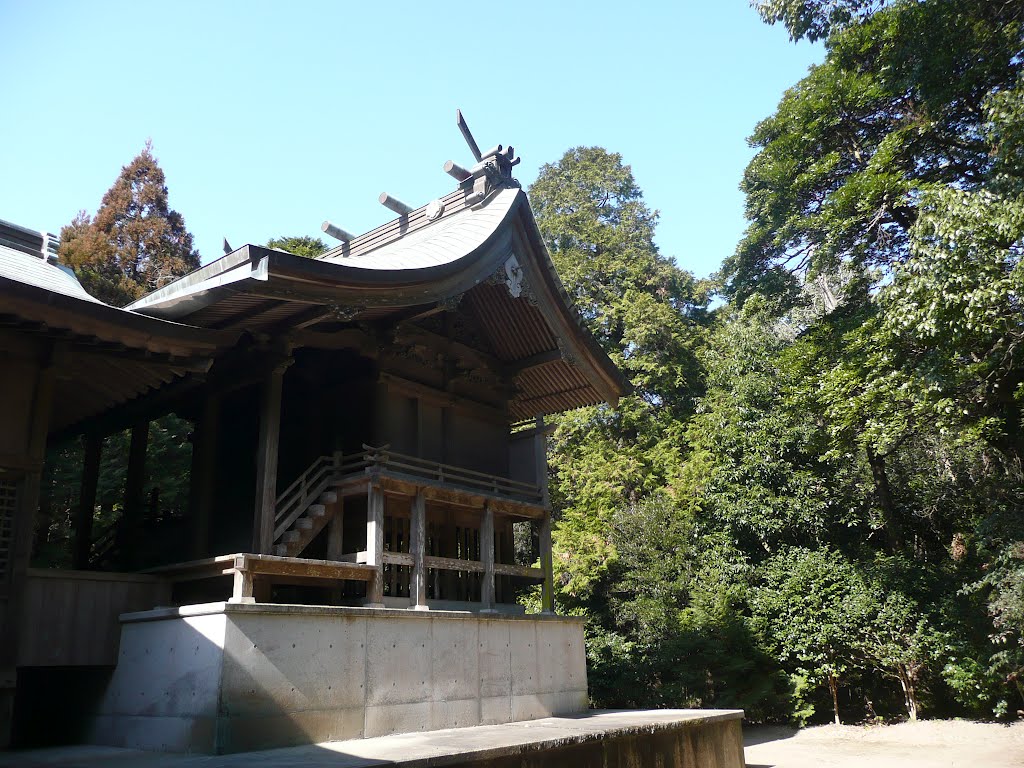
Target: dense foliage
<point>812,504</point>
<point>303,245</point>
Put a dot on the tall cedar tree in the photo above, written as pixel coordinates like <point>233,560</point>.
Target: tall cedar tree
<point>135,243</point>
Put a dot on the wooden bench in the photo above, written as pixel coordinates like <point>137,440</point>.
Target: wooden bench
<point>246,568</point>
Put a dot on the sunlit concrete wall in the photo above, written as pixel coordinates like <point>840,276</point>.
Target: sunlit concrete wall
<point>229,677</point>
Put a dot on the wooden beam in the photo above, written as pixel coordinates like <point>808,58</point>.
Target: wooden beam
<point>266,459</point>
<point>456,349</point>
<point>350,338</point>
<point>519,571</point>
<point>443,398</point>
<point>22,534</point>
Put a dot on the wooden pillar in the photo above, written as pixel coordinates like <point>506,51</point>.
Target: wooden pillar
<point>266,461</point>
<point>133,487</point>
<point>541,465</point>
<point>448,546</point>
<point>203,478</point>
<point>22,533</point>
<point>418,549</point>
<point>375,544</point>
<point>487,556</point>
<point>87,501</point>
<point>336,543</point>
<point>547,590</point>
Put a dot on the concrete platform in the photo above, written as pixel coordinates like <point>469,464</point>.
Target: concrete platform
<point>237,677</point>
<point>673,738</point>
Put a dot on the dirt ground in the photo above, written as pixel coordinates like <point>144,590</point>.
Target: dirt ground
<point>926,744</point>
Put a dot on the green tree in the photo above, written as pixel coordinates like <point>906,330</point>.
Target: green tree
<point>891,175</point>
<point>648,315</point>
<point>815,19</point>
<point>136,243</point>
<point>811,605</point>
<point>896,106</point>
<point>309,247</point>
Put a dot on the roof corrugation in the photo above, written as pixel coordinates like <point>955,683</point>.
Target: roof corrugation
<point>499,313</point>
<point>34,270</point>
<point>442,242</point>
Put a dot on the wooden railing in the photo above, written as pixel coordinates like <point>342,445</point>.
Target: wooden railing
<point>437,472</point>
<point>294,500</point>
<point>458,564</point>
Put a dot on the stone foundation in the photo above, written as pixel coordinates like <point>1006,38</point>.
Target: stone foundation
<point>227,677</point>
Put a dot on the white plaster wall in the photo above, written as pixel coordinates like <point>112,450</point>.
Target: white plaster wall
<point>285,675</point>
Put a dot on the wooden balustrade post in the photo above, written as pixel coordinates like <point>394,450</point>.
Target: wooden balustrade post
<point>418,549</point>
<point>375,544</point>
<point>487,556</point>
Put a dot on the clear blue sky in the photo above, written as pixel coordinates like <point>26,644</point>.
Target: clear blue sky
<point>269,117</point>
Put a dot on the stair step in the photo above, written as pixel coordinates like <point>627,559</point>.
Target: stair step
<point>328,497</point>
<point>316,510</point>
<point>291,537</point>
<point>304,524</point>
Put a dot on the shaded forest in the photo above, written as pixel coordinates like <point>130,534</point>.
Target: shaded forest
<point>811,504</point>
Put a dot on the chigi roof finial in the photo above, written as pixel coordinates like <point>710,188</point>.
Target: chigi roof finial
<point>492,167</point>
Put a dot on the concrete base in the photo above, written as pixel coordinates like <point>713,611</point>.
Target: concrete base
<point>665,738</point>
<point>230,677</point>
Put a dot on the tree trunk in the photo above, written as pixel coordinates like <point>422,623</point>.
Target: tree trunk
<point>833,686</point>
<point>909,694</point>
<point>893,529</point>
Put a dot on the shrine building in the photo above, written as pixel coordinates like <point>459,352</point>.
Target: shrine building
<point>368,486</point>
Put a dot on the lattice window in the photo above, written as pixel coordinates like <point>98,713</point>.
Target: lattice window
<point>8,507</point>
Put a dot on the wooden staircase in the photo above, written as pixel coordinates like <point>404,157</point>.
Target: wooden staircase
<point>306,506</point>
<point>305,527</point>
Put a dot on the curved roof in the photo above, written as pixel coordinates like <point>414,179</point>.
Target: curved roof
<point>32,269</point>
<point>448,239</point>
<point>452,255</point>
<point>114,356</point>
